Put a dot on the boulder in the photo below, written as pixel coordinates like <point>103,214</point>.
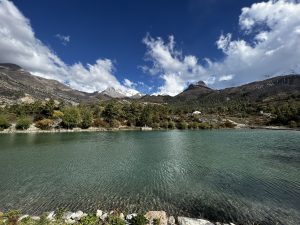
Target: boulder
<point>77,215</point>
<point>104,216</point>
<point>35,218</point>
<point>171,220</point>
<point>130,216</point>
<point>193,221</point>
<point>99,213</point>
<point>161,215</point>
<point>51,216</point>
<point>70,221</point>
<point>67,215</point>
<point>122,216</point>
<point>22,217</point>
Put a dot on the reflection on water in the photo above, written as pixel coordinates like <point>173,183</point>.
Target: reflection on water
<point>240,176</point>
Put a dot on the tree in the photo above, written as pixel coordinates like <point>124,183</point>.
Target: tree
<point>4,124</point>
<point>24,123</point>
<point>111,112</point>
<point>86,118</point>
<point>146,116</point>
<point>71,117</point>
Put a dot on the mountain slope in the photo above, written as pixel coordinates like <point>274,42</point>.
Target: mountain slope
<point>16,83</point>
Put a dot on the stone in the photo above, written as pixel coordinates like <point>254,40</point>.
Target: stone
<point>130,216</point>
<point>231,223</point>
<point>99,213</point>
<point>171,220</point>
<point>67,215</point>
<point>22,217</point>
<point>111,212</point>
<point>51,216</point>
<point>104,216</point>
<point>77,215</point>
<point>122,216</point>
<point>35,218</point>
<point>70,221</point>
<point>193,221</point>
<point>161,215</point>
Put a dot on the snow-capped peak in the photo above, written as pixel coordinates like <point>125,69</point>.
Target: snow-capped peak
<point>121,92</point>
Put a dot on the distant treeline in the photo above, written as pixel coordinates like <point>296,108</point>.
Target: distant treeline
<point>107,114</point>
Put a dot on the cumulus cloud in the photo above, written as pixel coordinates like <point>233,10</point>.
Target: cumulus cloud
<point>64,39</point>
<point>271,47</point>
<point>19,45</point>
<point>174,68</point>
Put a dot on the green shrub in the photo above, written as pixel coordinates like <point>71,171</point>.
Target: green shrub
<point>164,124</point>
<point>4,124</point>
<point>59,213</point>
<point>12,216</point>
<point>204,125</point>
<point>89,220</point>
<point>171,125</point>
<point>115,220</point>
<point>182,125</point>
<point>23,123</point>
<point>71,117</point>
<point>44,124</point>
<point>139,220</point>
<point>87,119</point>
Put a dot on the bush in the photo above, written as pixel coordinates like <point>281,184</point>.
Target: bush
<point>164,124</point>
<point>4,124</point>
<point>57,114</point>
<point>182,125</point>
<point>100,123</point>
<point>115,220</point>
<point>293,124</point>
<point>44,124</point>
<point>139,220</point>
<point>171,125</point>
<point>87,119</point>
<point>89,220</point>
<point>23,123</point>
<point>204,125</point>
<point>193,125</point>
<point>71,117</point>
<point>12,216</point>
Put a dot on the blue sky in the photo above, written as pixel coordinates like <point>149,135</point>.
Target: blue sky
<point>157,46</point>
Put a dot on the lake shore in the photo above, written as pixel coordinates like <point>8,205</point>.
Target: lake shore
<point>33,129</point>
<point>59,217</point>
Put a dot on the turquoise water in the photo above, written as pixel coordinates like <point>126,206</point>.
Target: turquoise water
<point>241,176</point>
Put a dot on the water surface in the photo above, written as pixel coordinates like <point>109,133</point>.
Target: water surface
<point>240,176</point>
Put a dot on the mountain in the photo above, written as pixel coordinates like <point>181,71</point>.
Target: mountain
<point>195,90</point>
<point>277,88</point>
<point>17,85</point>
<point>120,93</point>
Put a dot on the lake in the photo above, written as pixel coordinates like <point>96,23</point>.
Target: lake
<point>222,175</point>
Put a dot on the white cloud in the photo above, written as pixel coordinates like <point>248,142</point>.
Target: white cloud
<point>174,68</point>
<point>64,39</point>
<point>226,77</point>
<point>274,50</point>
<point>128,83</point>
<point>19,45</point>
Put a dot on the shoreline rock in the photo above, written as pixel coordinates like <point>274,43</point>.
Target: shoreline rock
<point>152,218</point>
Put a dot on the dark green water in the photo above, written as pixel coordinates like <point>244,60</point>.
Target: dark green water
<point>240,176</point>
